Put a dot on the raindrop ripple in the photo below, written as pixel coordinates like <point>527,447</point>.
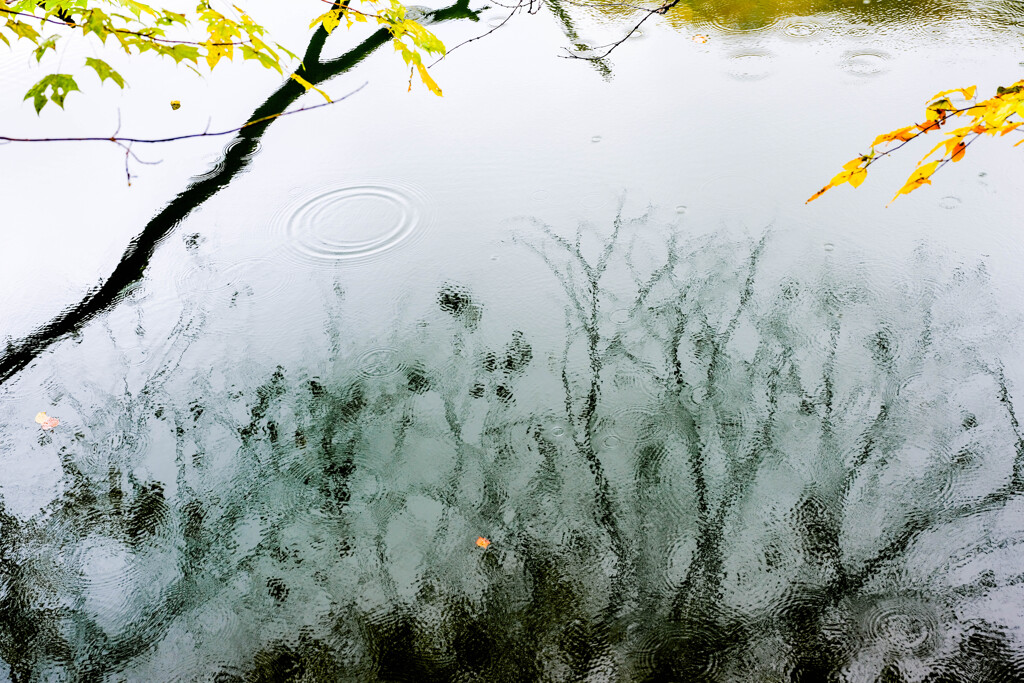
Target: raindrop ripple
<point>353,222</point>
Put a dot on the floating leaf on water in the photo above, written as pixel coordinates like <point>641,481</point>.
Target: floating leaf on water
<point>700,39</point>
<point>482,542</point>
<point>46,422</point>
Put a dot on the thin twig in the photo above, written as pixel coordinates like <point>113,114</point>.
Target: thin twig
<point>114,138</point>
<point>482,35</point>
<point>657,10</point>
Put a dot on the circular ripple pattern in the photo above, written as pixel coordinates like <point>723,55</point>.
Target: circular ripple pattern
<point>647,424</point>
<point>620,316</point>
<point>353,222</point>
<point>201,278</point>
<point>379,363</point>
<point>689,651</point>
<point>750,66</point>
<point>904,624</point>
<point>865,63</point>
<point>110,581</point>
<point>801,29</point>
<point>556,428</point>
<point>742,23</point>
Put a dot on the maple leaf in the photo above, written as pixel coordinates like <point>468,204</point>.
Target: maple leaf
<point>46,422</point>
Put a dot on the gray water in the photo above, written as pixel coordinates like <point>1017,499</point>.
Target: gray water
<point>710,433</point>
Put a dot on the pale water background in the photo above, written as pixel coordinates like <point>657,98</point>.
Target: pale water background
<point>712,433</point>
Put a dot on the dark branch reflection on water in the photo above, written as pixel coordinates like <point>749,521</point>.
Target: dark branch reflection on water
<point>722,468</point>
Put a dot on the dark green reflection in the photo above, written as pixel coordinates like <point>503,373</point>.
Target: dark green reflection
<point>757,15</point>
<point>724,467</point>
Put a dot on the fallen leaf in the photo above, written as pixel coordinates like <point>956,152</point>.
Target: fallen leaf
<point>175,105</point>
<point>700,39</point>
<point>46,422</point>
<point>482,542</point>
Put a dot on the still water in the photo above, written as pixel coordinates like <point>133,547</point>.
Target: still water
<point>576,310</point>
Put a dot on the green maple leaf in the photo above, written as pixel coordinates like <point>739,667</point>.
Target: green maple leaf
<point>104,71</point>
<point>59,86</point>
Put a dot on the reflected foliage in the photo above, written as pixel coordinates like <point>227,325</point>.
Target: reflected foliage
<point>751,16</point>
<point>724,468</point>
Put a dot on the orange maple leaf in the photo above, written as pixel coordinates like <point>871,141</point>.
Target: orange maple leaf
<point>46,422</point>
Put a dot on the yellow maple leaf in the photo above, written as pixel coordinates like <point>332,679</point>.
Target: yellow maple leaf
<point>427,80</point>
<point>853,173</point>
<point>309,86</point>
<point>968,93</point>
<point>922,176</point>
<point>854,164</point>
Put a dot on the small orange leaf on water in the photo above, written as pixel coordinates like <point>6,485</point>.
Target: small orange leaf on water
<point>46,422</point>
<point>482,542</point>
<point>700,39</point>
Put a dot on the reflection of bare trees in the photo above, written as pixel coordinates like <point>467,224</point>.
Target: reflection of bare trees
<point>822,403</point>
<point>726,469</point>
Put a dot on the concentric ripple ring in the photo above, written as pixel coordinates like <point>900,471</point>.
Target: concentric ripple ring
<point>352,222</point>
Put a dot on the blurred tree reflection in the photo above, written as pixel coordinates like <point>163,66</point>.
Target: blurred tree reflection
<point>752,15</point>
<point>725,470</point>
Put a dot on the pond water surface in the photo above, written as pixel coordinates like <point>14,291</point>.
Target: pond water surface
<point>555,378</point>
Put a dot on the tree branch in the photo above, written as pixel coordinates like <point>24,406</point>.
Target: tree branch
<point>663,9</point>
<point>237,155</point>
<point>189,136</point>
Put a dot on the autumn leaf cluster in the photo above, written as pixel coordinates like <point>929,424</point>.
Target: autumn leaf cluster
<point>202,38</point>
<point>996,116</point>
<point>410,39</point>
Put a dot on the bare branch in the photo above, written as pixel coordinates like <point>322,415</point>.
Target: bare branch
<point>663,9</point>
<point>176,138</point>
<point>515,10</point>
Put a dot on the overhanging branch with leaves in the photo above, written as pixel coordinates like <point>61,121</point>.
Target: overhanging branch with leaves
<point>237,155</point>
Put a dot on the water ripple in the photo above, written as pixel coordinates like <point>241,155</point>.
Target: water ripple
<point>750,66</point>
<point>902,625</point>
<point>108,569</point>
<point>801,29</point>
<point>743,26</point>
<point>202,278</point>
<point>353,222</point>
<point>865,63</point>
<point>380,362</point>
<point>693,650</point>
